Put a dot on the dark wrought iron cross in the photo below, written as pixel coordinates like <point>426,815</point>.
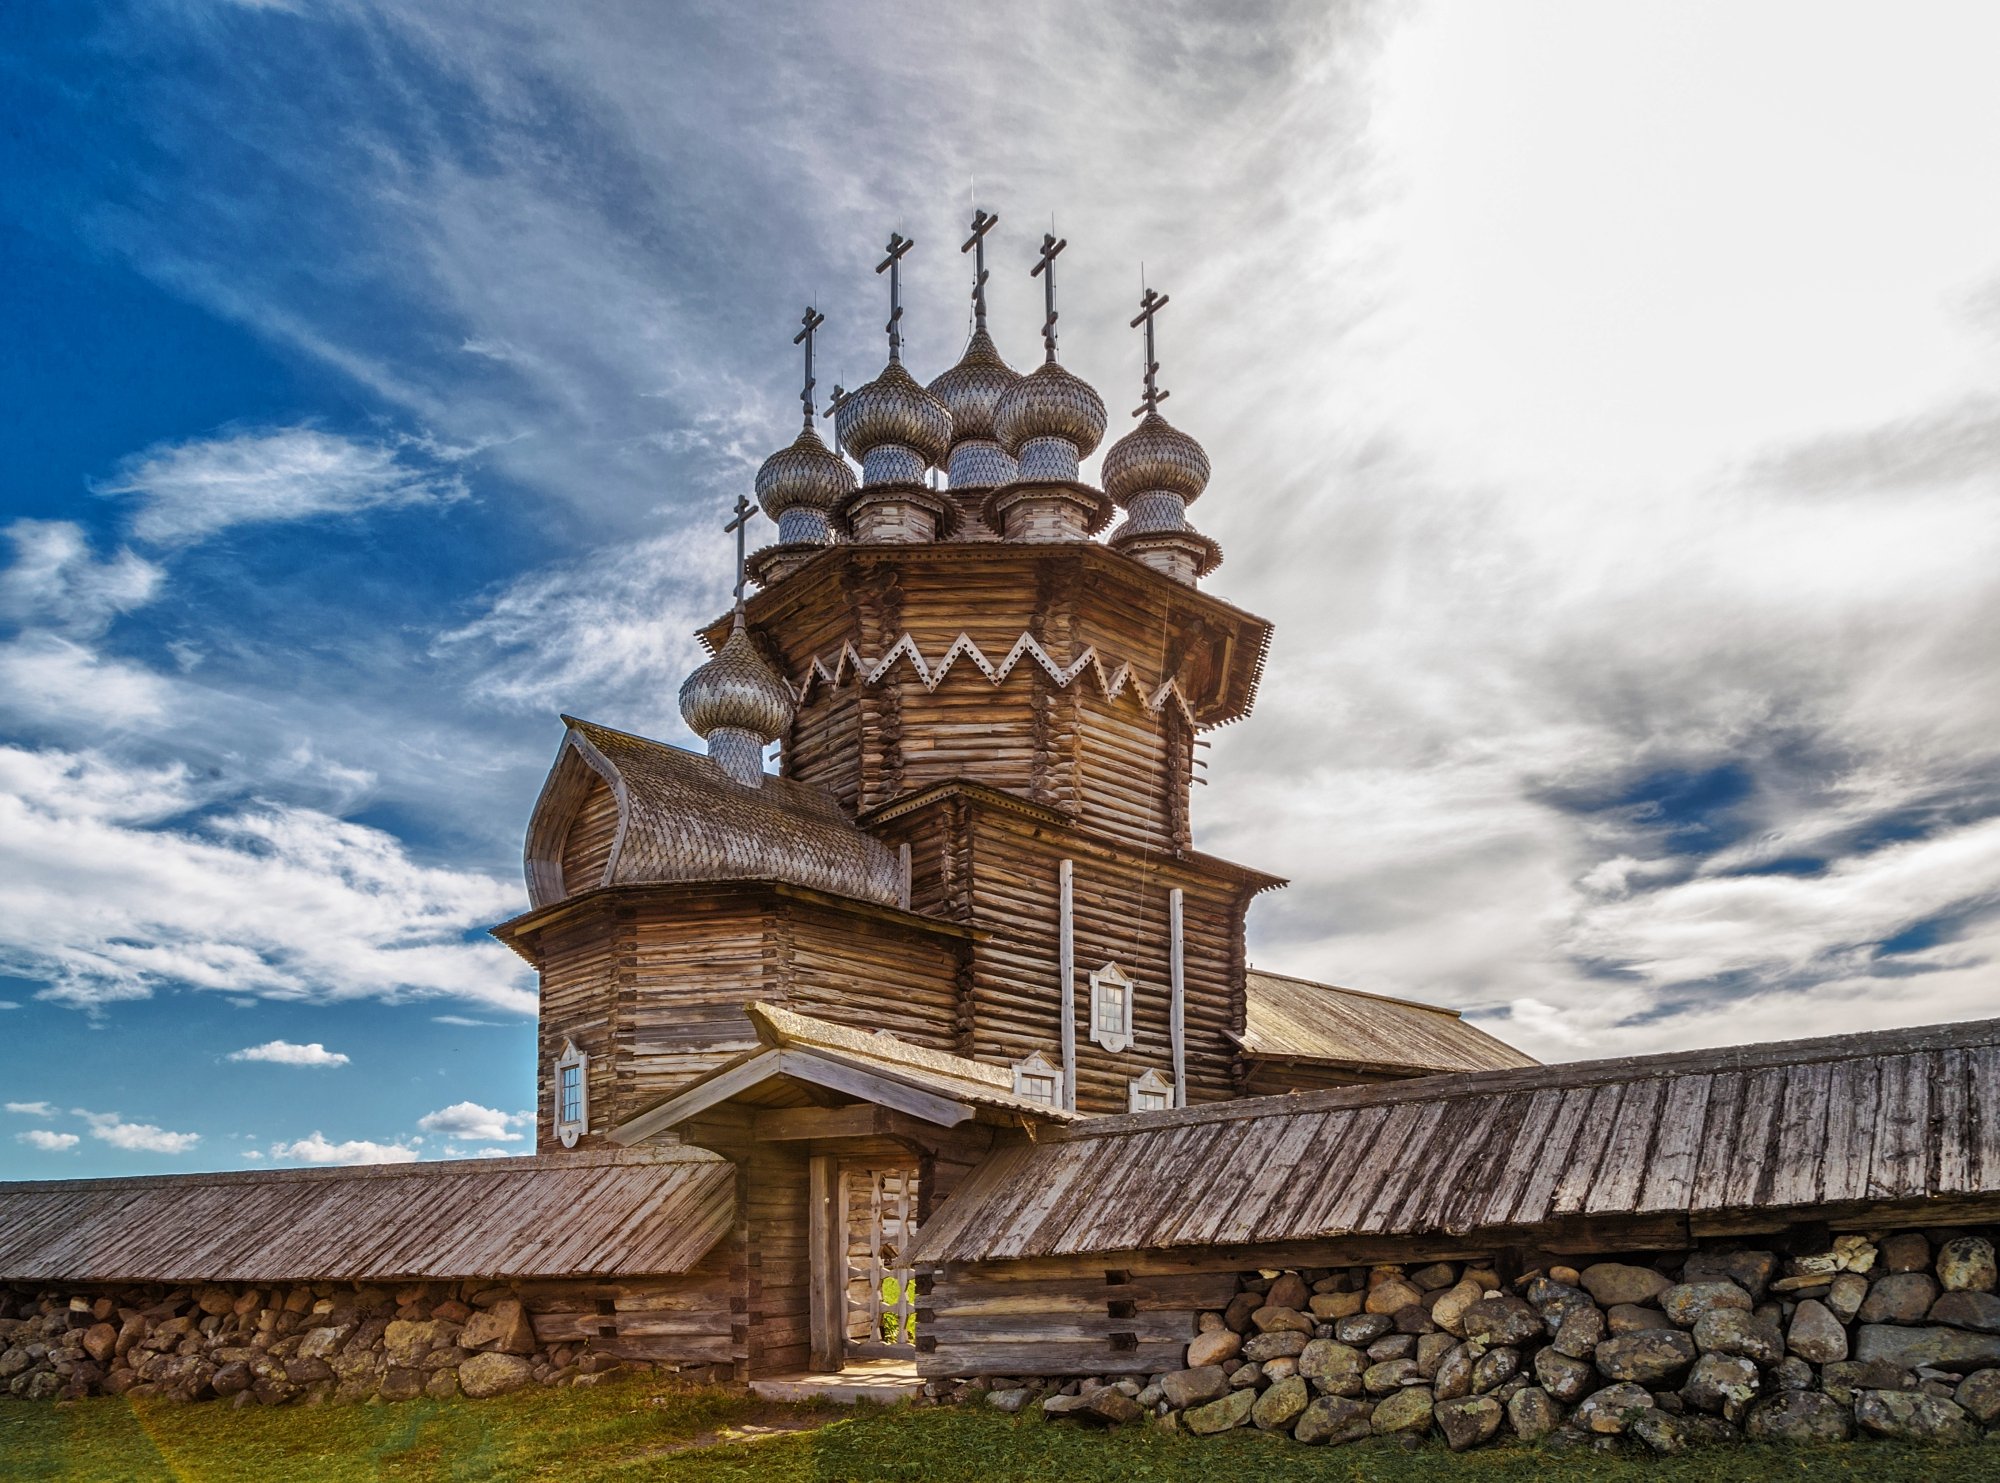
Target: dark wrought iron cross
<point>1045,269</point>
<point>1150,303</point>
<point>833,406</point>
<point>982,223</point>
<point>812,320</point>
<point>744,510</point>
<point>898,245</point>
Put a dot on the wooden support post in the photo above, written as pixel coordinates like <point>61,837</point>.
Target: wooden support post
<point>903,875</point>
<point>1066,973</point>
<point>826,1239</point>
<point>1177,1014</point>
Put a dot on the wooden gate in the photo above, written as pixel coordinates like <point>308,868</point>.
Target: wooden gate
<point>864,1294</point>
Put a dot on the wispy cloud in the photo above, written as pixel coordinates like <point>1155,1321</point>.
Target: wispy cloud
<point>57,581</point>
<point>32,1109</point>
<point>50,1142</point>
<point>318,1149</point>
<point>286,1053</point>
<point>110,1128</point>
<point>470,1121</point>
<point>185,491</point>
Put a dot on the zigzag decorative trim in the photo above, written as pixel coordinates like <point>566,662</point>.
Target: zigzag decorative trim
<point>849,663</point>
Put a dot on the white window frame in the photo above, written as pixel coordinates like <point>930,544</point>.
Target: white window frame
<point>1102,980</point>
<point>571,1129</point>
<point>1147,1085</point>
<point>1038,1067</point>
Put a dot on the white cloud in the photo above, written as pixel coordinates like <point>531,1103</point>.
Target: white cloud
<point>46,678</point>
<point>317,1149</point>
<point>267,900</point>
<point>32,1109</point>
<point>136,1137</point>
<point>501,1153</point>
<point>186,491</point>
<point>470,1121</point>
<point>459,1019</point>
<point>286,1053</point>
<point>55,581</point>
<point>50,1142</point>
<point>8,1004</point>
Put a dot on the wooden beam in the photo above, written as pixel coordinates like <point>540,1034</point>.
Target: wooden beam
<point>1066,976</point>
<point>857,1120</point>
<point>827,1258</point>
<point>1177,1012</point>
<point>716,1088</point>
<point>823,1068</point>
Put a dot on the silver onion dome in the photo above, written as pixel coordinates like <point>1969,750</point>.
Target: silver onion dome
<point>971,390</point>
<point>1154,457</point>
<point>1049,402</point>
<point>894,411</point>
<point>737,691</point>
<point>805,475</point>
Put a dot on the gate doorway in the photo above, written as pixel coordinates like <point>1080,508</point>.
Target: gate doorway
<point>864,1301</point>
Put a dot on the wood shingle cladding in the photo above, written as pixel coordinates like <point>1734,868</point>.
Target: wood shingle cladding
<point>1852,1129</point>
<point>605,1215</point>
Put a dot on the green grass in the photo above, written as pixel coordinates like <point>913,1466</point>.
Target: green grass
<point>638,1429</point>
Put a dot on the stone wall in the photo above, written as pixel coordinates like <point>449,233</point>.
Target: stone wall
<point>308,1343</point>
<point>1896,1335</point>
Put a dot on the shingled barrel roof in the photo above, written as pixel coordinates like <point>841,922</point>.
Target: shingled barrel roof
<point>1296,1020</point>
<point>682,818</point>
<point>1847,1129</point>
<point>601,1214</point>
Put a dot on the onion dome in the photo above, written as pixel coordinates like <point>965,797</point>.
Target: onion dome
<point>971,392</point>
<point>1049,405</point>
<point>739,705</point>
<point>895,427</point>
<point>801,485</point>
<point>1154,457</point>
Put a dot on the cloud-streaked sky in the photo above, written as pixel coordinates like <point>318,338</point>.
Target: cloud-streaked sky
<point>1604,402</point>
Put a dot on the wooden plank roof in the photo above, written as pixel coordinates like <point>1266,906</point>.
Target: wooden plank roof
<point>597,1214</point>
<point>1296,1020</point>
<point>1859,1123</point>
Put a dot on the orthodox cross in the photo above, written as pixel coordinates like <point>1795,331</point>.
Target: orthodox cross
<point>1045,269</point>
<point>982,223</point>
<point>744,510</point>
<point>832,406</point>
<point>898,245</point>
<point>1150,303</point>
<point>812,320</point>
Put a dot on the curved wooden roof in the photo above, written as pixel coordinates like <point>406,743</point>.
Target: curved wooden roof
<point>1849,1128</point>
<point>1296,1020</point>
<point>598,1214</point>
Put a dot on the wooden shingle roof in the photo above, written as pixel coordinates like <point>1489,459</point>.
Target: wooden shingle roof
<point>597,1214</point>
<point>1837,1128</point>
<point>1296,1020</point>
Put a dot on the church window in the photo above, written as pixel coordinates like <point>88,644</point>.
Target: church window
<point>572,1094</point>
<point>1038,1079</point>
<point>1111,1008</point>
<point>1151,1092</point>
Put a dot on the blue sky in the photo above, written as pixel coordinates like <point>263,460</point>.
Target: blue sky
<point>1605,403</point>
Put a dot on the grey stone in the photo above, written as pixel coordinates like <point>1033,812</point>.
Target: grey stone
<point>1009,1400</point>
<point>1685,1302</point>
<point>1816,1335</point>
<point>403,1383</point>
<point>1902,1297</point>
<point>1277,1408</point>
<point>1580,1332</point>
<point>1391,1374</point>
<point>1792,1373</point>
<point>1270,1320</point>
<point>1064,1405</point>
<point>1906,1252</point>
<point>1649,1358</point>
<point>1610,1410</point>
<point>1799,1416</point>
<point>1237,1315</point>
<point>1912,1416</point>
<point>504,1328</point>
<point>1843,1379</point>
<point>1431,1351</point>
<point>1413,1318</point>
<point>1332,1419</point>
<point>1979,1311</point>
<point>1732,1331</point>
<point>1556,1301</point>
<point>1495,1368</point>
<point>1501,1321</point>
<point>1213,1347</point>
<point>1629,1318</point>
<point>231,1379</point>
<point>1615,1282</point>
<point>1564,1378</point>
<point>1448,1312</point>
<point>1242,1375</point>
<point>1468,1421</point>
<point>1721,1382</point>
<point>1184,1388</point>
<point>1978,1395</point>
<point>1750,1270</point>
<point>1363,1328</point>
<point>1285,1343</point>
<point>323,1343</point>
<point>1454,1374</point>
<point>1966,1264</point>
<point>1334,1305</point>
<point>1846,1294</point>
<point>1220,1416</point>
<point>1407,1411</point>
<point>1435,1277</point>
<point>1948,1348</point>
<point>1532,1412</point>
<point>1393,1346</point>
<point>1289,1291</point>
<point>1386,1297</point>
<point>1112,1407</point>
<point>1333,1368</point>
<point>493,1374</point>
<point>1663,1433</point>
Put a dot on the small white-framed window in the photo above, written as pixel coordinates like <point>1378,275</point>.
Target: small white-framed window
<point>1111,1008</point>
<point>1151,1092</point>
<point>572,1091</point>
<point>1038,1079</point>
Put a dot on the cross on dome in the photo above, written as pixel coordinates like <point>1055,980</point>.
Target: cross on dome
<point>744,510</point>
<point>982,223</point>
<point>1150,304</point>
<point>898,245</point>
<point>1045,269</point>
<point>811,320</point>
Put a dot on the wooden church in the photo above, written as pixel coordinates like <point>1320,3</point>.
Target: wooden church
<point>940,1040</point>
